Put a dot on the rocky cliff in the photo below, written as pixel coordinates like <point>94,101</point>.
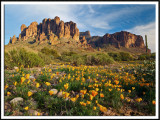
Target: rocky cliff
<point>118,39</point>
<point>86,34</point>
<point>124,39</point>
<point>51,29</point>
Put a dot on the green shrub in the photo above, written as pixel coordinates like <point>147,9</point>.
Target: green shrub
<point>18,57</point>
<point>121,56</point>
<point>153,56</point>
<point>115,56</point>
<point>48,51</point>
<point>7,60</point>
<point>46,58</point>
<point>101,59</point>
<point>125,56</point>
<point>146,56</point>
<point>91,59</point>
<point>69,53</point>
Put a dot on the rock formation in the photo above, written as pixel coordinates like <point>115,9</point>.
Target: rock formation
<point>118,39</point>
<point>47,28</point>
<point>13,39</point>
<point>124,39</point>
<point>86,34</point>
<point>54,30</point>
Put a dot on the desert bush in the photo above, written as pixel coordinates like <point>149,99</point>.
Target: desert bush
<point>115,56</point>
<point>69,53</point>
<point>90,59</point>
<point>46,58</point>
<point>146,56</point>
<point>18,57</point>
<point>48,51</point>
<point>125,56</point>
<point>121,56</point>
<point>98,59</point>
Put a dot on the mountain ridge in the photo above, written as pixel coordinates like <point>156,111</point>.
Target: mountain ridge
<point>53,30</point>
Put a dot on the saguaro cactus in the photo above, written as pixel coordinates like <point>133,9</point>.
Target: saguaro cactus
<point>146,43</point>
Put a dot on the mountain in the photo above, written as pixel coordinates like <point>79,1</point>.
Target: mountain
<point>56,32</point>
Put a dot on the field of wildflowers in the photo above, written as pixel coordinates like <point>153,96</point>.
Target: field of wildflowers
<point>68,90</point>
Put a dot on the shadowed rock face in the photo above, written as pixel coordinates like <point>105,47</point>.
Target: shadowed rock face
<point>13,39</point>
<point>47,28</point>
<point>86,34</point>
<point>123,38</point>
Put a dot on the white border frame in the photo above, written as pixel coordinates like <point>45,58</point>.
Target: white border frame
<point>78,117</point>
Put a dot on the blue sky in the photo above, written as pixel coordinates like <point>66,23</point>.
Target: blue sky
<point>99,19</point>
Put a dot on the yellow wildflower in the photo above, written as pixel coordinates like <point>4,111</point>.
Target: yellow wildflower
<point>22,79</point>
<point>34,80</point>
<point>101,95</point>
<point>77,96</point>
<point>47,83</point>
<point>97,89</point>
<point>129,91</point>
<point>153,102</point>
<point>133,88</point>
<point>103,109</point>
<point>66,86</point>
<point>15,83</point>
<point>66,94</point>
<point>30,93</point>
<point>26,108</point>
<point>17,70</point>
<point>83,104</point>
<point>110,90</point>
<point>37,85</point>
<point>51,92</point>
<point>28,82</point>
<point>94,93</point>
<point>73,99</point>
<point>94,108</point>
<point>83,91</point>
<point>27,76</point>
<point>50,70</point>
<point>121,96</point>
<point>117,82</point>
<point>6,86</point>
<point>88,102</point>
<point>38,114</point>
<point>8,93</point>
<point>90,97</point>
<point>139,99</point>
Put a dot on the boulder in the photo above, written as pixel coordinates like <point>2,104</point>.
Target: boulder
<point>16,101</point>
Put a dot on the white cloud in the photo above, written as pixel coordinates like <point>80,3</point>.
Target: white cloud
<point>149,30</point>
<point>91,9</point>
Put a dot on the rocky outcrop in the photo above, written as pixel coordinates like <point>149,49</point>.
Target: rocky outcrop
<point>47,28</point>
<point>124,39</point>
<point>86,34</point>
<point>13,39</point>
<point>83,40</point>
<point>27,32</point>
<point>118,39</point>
